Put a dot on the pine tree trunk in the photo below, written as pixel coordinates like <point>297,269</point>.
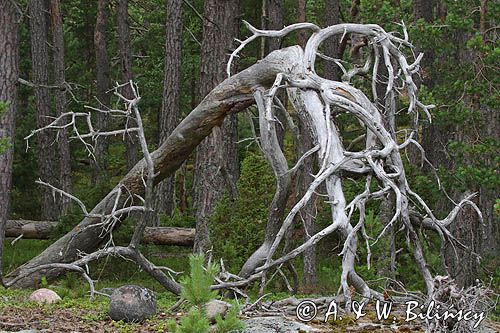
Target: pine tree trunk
<point>9,63</point>
<point>332,44</point>
<point>47,154</point>
<point>60,101</point>
<point>301,17</point>
<point>170,112</point>
<point>131,143</point>
<point>103,86</point>
<point>217,164</point>
<point>275,21</point>
<point>304,179</point>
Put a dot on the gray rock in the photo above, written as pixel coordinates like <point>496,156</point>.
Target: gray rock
<point>132,304</point>
<point>44,295</point>
<point>216,307</point>
<point>275,324</point>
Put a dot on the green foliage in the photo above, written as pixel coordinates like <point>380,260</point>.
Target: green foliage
<point>196,291</point>
<point>230,323</point>
<point>194,322</point>
<point>242,223</point>
<point>196,286</point>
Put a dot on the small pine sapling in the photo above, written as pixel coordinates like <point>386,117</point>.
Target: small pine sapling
<point>196,291</point>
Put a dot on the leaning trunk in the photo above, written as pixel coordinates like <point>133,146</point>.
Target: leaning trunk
<point>232,95</point>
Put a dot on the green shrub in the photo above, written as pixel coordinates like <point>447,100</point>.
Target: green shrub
<point>196,291</point>
<point>242,223</point>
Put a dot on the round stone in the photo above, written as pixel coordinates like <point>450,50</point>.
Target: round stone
<point>44,295</point>
<point>132,303</point>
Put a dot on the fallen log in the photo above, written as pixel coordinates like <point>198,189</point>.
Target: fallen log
<point>169,236</point>
<point>29,229</point>
<point>152,235</point>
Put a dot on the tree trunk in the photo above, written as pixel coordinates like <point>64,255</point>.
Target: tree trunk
<point>169,236</point>
<point>275,21</point>
<point>131,143</point>
<point>29,229</point>
<point>422,9</point>
<point>301,17</point>
<point>9,63</point>
<point>332,44</point>
<point>152,235</point>
<point>60,101</point>
<point>47,154</point>
<point>231,96</point>
<point>170,112</point>
<point>304,179</point>
<point>217,164</point>
<point>103,86</point>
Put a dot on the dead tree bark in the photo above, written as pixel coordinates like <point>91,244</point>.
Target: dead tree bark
<point>103,87</point>
<point>60,100</point>
<point>169,236</point>
<point>47,153</point>
<point>217,164</point>
<point>29,229</point>
<point>232,95</point>
<point>9,62</point>
<point>131,143</point>
<point>170,112</point>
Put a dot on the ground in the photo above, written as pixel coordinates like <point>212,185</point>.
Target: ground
<point>77,313</point>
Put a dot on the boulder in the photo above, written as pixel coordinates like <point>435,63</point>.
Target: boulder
<point>132,304</point>
<point>216,307</point>
<point>44,295</point>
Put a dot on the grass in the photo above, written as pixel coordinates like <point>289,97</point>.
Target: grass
<point>115,272</point>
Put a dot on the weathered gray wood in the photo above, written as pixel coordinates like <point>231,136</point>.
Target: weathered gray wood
<point>169,236</point>
<point>152,235</point>
<point>29,229</point>
<point>232,95</point>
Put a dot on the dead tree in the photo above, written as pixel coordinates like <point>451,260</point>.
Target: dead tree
<point>124,202</point>
<point>379,163</point>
